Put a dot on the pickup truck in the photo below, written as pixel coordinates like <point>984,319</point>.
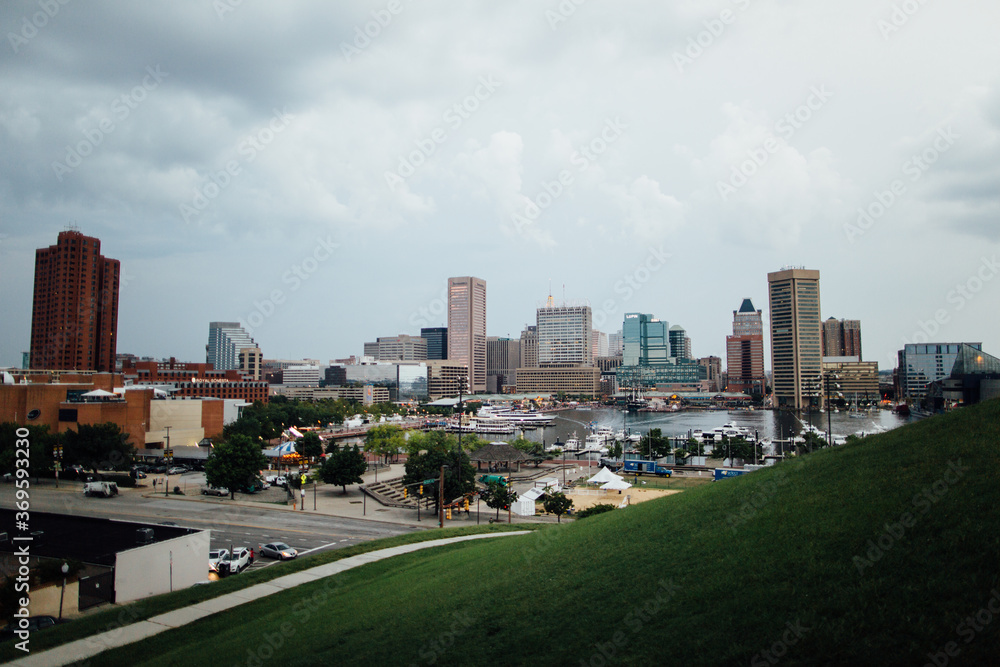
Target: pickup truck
<point>102,489</point>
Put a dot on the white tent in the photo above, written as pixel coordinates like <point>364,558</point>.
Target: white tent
<point>99,393</point>
<point>283,449</point>
<point>603,477</point>
<point>618,484</point>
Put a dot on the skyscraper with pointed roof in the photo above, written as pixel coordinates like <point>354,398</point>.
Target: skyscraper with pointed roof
<point>745,351</point>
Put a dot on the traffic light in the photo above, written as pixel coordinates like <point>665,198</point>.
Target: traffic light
<point>405,490</point>
<point>466,507</point>
<point>421,489</point>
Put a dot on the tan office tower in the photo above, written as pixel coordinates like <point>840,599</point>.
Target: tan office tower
<point>74,317</point>
<point>467,328</point>
<point>796,334</point>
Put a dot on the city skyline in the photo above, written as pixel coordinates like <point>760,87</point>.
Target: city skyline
<point>339,185</point>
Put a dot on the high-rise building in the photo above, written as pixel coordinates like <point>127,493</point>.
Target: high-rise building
<point>529,347</point>
<point>225,340</point>
<point>564,335</point>
<point>645,341</point>
<point>467,328</point>
<point>301,376</point>
<point>437,342</point>
<point>842,338</point>
<point>713,371</point>
<point>598,344</point>
<point>503,357</point>
<point>74,316</point>
<point>796,347</point>
<point>397,348</point>
<point>680,344</point>
<point>646,359</point>
<point>251,363</point>
<point>616,344</point>
<point>745,351</point>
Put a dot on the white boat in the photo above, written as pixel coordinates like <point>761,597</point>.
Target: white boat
<point>594,444</point>
<point>572,444</point>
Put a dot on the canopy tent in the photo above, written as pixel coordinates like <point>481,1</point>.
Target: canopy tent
<point>603,477</point>
<point>284,449</point>
<point>99,393</point>
<point>616,485</point>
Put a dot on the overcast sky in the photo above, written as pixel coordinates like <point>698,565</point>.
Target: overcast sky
<point>318,170</point>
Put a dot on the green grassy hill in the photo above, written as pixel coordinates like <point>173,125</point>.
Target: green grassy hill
<point>874,553</point>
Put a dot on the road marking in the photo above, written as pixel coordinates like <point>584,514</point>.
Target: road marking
<point>303,553</point>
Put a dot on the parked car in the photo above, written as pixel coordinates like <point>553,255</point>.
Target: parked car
<point>35,623</point>
<point>215,556</point>
<point>176,470</point>
<point>76,471</point>
<point>215,491</point>
<point>278,550</point>
<point>235,562</point>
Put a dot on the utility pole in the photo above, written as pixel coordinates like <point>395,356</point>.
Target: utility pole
<point>441,499</point>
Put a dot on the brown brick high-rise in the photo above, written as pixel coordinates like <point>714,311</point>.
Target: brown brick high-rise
<point>74,316</point>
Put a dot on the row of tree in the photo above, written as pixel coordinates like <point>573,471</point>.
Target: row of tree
<point>91,446</point>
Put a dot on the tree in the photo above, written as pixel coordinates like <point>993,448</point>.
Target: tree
<point>695,447</point>
<point>813,441</point>
<point>385,440</point>
<point>616,450</point>
<point>534,450</point>
<point>310,445</point>
<point>98,445</point>
<point>740,448</point>
<point>498,496</point>
<point>654,444</point>
<point>234,464</point>
<point>344,467</point>
<point>459,475</point>
<point>558,504</point>
<point>40,444</point>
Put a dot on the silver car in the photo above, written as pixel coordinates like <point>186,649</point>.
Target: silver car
<point>278,550</point>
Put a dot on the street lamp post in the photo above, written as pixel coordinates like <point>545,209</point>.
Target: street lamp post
<point>62,595</point>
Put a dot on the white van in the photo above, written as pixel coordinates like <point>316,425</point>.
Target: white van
<point>101,489</point>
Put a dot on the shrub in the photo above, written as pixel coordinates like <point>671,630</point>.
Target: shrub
<point>596,509</point>
<point>123,481</point>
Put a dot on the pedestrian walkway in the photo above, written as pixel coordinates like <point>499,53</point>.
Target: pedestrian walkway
<point>83,649</point>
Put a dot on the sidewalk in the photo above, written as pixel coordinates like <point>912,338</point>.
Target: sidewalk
<point>83,649</point>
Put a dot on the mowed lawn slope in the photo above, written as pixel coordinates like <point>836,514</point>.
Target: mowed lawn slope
<point>868,554</point>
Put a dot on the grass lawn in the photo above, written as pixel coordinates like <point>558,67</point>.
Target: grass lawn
<point>672,483</point>
<point>118,615</point>
<point>873,553</point>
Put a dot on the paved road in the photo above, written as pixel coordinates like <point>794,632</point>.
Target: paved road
<point>230,524</point>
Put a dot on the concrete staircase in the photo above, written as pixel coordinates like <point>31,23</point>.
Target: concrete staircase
<point>389,493</point>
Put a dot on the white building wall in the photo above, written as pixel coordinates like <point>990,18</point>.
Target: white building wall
<point>182,416</point>
<point>161,567</point>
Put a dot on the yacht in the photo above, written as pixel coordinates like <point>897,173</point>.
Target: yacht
<point>594,444</point>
